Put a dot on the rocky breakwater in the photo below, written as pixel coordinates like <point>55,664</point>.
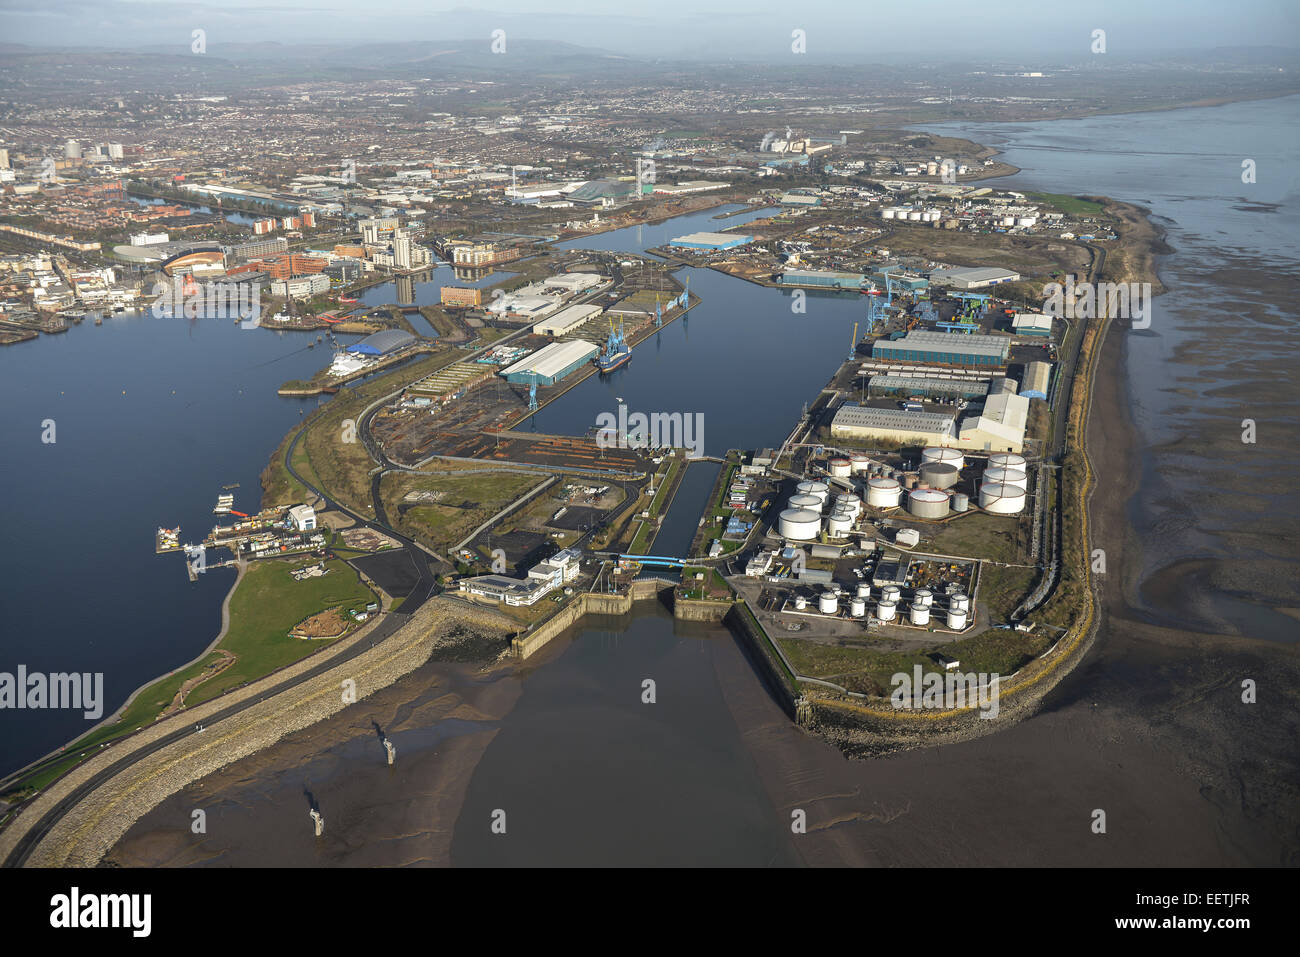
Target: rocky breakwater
<point>82,836</point>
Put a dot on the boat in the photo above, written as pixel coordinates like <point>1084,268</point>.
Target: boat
<point>230,486</point>
<point>99,320</point>
<point>616,352</point>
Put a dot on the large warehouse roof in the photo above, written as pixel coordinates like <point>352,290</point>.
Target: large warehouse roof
<point>566,319</point>
<point>924,385</point>
<point>865,417</point>
<point>382,343</point>
<point>924,340</point>
<point>549,361</point>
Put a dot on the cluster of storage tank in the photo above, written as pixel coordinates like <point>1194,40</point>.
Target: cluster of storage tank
<point>1005,484</point>
<point>922,607</point>
<point>929,491</point>
<point>910,214</point>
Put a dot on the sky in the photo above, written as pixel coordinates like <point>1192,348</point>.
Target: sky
<point>673,29</point>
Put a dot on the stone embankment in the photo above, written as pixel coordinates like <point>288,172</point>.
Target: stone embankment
<point>84,834</point>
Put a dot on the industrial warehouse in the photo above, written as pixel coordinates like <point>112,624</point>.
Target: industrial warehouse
<point>549,364</point>
<point>943,348</point>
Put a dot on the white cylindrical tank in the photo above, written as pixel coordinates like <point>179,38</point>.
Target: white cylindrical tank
<point>932,168</point>
<point>927,503</point>
<point>859,463</point>
<point>800,602</point>
<point>1002,499</point>
<point>920,614</point>
<point>956,619</point>
<point>813,487</point>
<point>883,493</point>
<point>1008,220</point>
<point>801,524</point>
<point>839,523</point>
<point>924,596</point>
<point>886,610</point>
<point>850,503</point>
<point>960,501</point>
<point>864,590</point>
<point>914,216</point>
<point>1026,220</point>
<point>1007,460</point>
<point>857,608</point>
<point>949,456</point>
<point>959,602</point>
<point>799,500</point>
<point>828,604</point>
<point>890,593</point>
<point>1005,476</point>
<point>888,212</point>
<point>839,467</point>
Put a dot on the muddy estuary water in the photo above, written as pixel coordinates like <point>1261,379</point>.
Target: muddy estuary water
<point>1200,531</point>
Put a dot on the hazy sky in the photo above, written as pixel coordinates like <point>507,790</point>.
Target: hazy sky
<point>670,28</point>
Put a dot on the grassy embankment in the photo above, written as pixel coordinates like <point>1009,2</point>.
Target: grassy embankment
<point>340,468</point>
<point>265,606</point>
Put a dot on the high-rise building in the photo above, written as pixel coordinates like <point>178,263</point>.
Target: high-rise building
<point>4,159</point>
<point>72,150</point>
<point>115,151</point>
<point>402,252</point>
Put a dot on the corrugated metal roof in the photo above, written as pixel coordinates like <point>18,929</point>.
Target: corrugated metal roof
<point>551,360</point>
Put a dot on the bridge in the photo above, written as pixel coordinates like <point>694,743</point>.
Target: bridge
<point>647,559</point>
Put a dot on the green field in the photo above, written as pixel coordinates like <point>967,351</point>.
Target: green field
<point>1070,205</point>
<point>467,501</point>
<point>267,603</point>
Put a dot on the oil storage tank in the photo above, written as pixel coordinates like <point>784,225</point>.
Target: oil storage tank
<point>960,501</point>
<point>928,503</point>
<point>800,524</point>
<point>936,454</point>
<point>883,493</point>
<point>1001,475</point>
<point>1007,460</point>
<point>956,619</point>
<point>840,467</point>
<point>799,500</point>
<point>923,596</point>
<point>857,608</point>
<point>939,474</point>
<point>813,487</point>
<point>886,610</point>
<point>828,604</point>
<point>840,523</point>
<point>1002,499</point>
<point>920,614</point>
<point>859,463</point>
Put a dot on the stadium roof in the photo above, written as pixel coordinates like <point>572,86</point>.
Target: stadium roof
<point>382,343</point>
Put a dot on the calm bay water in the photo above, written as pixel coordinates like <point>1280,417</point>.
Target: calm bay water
<point>152,416</point>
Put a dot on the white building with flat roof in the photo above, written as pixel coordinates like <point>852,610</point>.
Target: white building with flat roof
<point>566,320</point>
